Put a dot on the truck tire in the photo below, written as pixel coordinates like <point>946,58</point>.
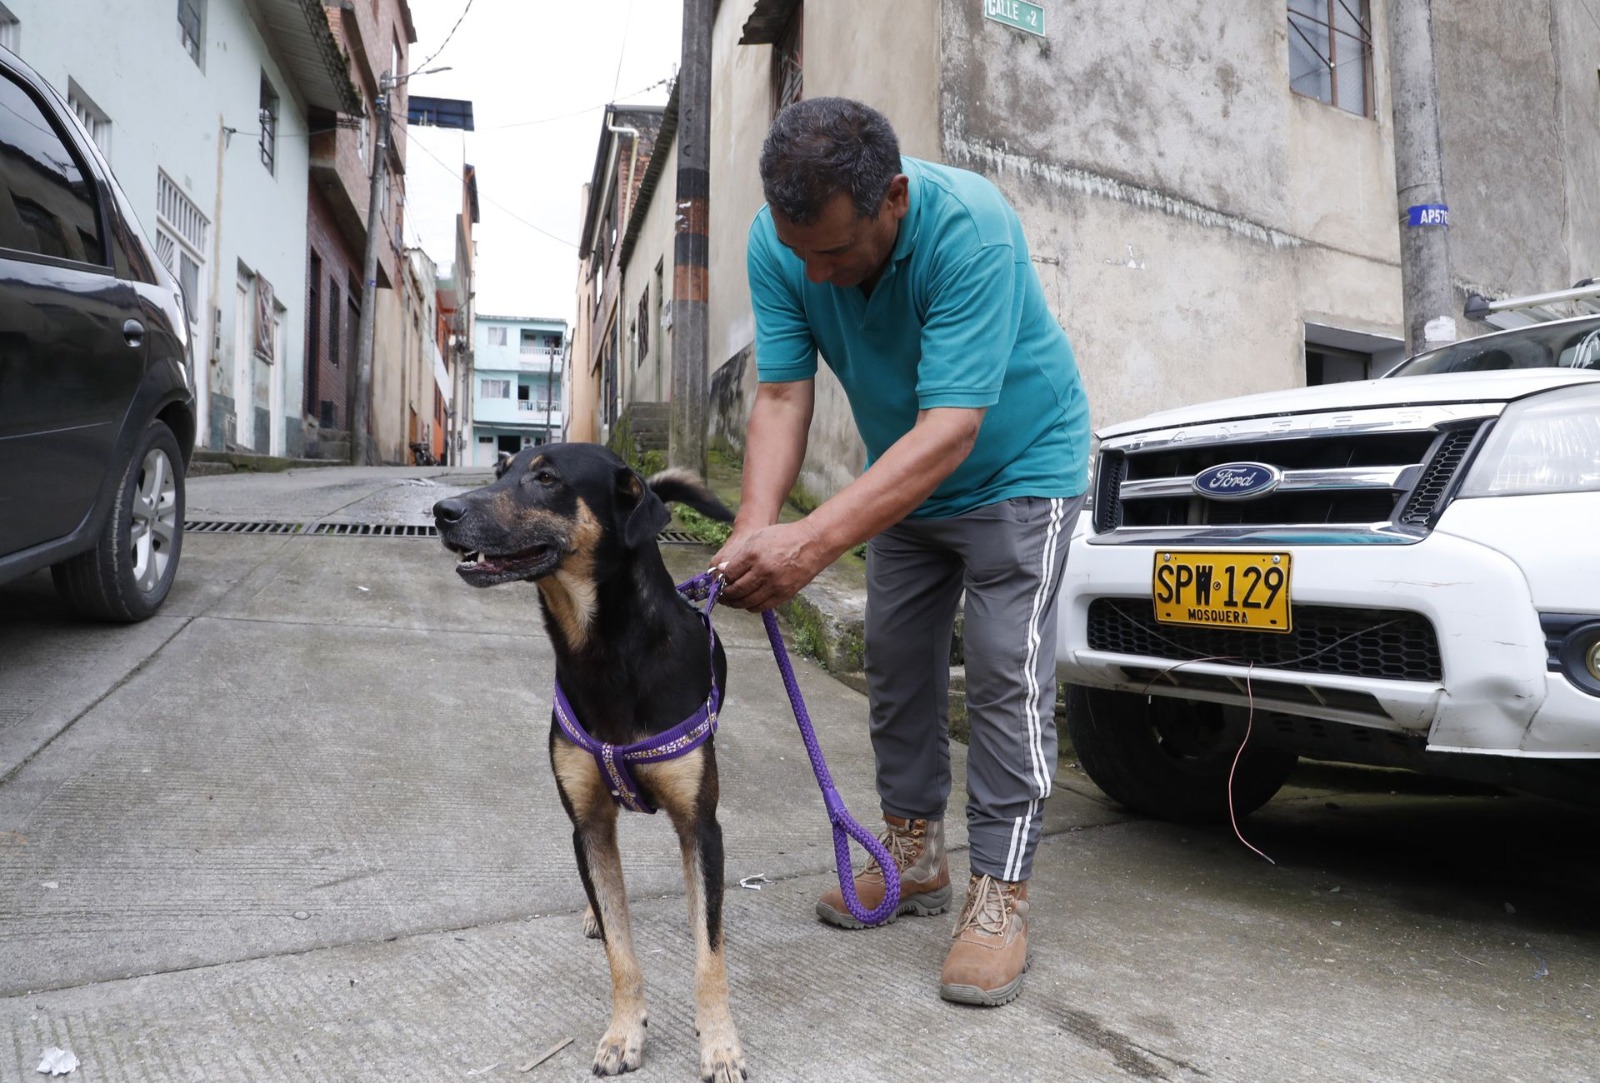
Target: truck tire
<point>1169,758</point>
<point>127,575</point>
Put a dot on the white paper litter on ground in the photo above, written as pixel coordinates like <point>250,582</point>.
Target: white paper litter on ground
<point>57,1062</point>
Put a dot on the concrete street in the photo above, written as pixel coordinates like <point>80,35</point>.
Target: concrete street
<point>301,826</point>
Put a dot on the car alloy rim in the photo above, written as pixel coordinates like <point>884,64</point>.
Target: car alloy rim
<point>155,520</point>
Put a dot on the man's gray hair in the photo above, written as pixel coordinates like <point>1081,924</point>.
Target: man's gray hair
<point>819,147</point>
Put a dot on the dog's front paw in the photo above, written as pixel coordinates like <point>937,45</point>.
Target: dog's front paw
<point>591,926</point>
<point>621,1050</point>
<point>721,1056</point>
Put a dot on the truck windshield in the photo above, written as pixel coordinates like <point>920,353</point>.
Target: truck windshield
<point>1570,344</point>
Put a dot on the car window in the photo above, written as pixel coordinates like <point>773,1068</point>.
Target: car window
<point>1571,345</point>
<point>48,204</point>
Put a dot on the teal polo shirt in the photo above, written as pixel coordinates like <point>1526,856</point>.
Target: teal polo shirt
<point>958,318</point>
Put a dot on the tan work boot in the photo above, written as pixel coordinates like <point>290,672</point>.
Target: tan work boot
<point>987,961</point>
<point>917,847</point>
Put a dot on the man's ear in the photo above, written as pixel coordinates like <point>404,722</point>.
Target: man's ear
<point>641,510</point>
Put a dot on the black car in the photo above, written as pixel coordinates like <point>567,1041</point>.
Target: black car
<point>97,414</point>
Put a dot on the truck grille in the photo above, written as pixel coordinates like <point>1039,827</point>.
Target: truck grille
<point>1380,644</point>
<point>1345,471</point>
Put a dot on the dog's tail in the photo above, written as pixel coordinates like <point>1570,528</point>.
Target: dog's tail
<point>686,487</point>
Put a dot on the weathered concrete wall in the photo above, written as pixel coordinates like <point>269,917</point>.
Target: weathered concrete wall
<point>1521,152</point>
<point>1186,212</point>
<point>1577,38</point>
<point>844,51</point>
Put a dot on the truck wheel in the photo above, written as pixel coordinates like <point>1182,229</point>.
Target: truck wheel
<point>1170,758</point>
<point>127,575</point>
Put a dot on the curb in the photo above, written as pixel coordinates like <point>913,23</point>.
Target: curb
<point>208,461</point>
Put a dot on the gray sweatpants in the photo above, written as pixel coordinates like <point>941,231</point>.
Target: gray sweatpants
<point>1008,558</point>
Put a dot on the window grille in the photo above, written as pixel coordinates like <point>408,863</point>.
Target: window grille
<point>269,124</point>
<point>179,213</point>
<point>96,124</point>
<point>10,30</point>
<point>1330,52</point>
<point>189,27</point>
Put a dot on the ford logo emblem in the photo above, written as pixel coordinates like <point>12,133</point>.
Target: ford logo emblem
<point>1237,481</point>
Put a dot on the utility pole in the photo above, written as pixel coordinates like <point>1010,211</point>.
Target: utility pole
<point>1429,301</point>
<point>686,443</point>
<point>361,408</point>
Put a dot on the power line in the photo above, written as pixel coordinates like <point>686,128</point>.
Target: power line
<point>447,37</point>
<point>454,171</point>
<point>576,112</point>
<point>622,49</point>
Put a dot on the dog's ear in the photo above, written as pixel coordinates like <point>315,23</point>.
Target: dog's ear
<point>502,464</point>
<point>640,509</point>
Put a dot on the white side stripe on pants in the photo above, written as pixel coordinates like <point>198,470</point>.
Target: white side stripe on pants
<point>1031,709</point>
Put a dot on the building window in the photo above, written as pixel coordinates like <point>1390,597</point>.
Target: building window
<point>96,124</point>
<point>643,323</point>
<point>334,313</point>
<point>495,389</point>
<point>182,238</point>
<point>497,336</point>
<point>269,124</point>
<point>189,26</point>
<point>530,342</point>
<point>788,84</point>
<point>10,30</point>
<point>1330,52</point>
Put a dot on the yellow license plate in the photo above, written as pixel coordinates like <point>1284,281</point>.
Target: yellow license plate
<point>1249,591</point>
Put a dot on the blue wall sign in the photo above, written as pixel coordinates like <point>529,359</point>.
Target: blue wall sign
<point>1428,214</point>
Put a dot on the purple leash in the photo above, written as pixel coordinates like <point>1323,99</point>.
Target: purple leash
<point>707,585</point>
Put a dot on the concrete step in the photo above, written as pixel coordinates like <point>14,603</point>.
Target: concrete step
<point>208,461</point>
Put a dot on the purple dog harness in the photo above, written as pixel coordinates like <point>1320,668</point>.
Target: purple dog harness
<point>692,732</point>
<point>615,761</point>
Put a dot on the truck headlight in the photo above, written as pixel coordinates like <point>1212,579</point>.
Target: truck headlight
<point>1549,443</point>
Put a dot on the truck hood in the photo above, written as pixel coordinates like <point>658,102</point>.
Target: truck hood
<point>1455,387</point>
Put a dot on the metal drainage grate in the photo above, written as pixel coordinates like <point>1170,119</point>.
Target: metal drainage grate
<point>215,526</point>
<point>374,530</point>
<point>677,537</point>
<point>361,530</point>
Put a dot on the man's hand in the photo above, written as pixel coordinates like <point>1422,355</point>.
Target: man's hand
<point>765,568</point>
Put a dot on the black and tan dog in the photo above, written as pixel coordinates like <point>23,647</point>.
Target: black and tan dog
<point>634,659</point>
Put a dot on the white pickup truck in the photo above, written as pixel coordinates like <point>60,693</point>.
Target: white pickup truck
<point>1400,572</point>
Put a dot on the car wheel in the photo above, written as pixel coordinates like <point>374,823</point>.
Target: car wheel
<point>1170,758</point>
<point>127,575</point>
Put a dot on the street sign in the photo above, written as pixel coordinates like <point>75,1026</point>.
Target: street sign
<point>1017,13</point>
<point>1428,214</point>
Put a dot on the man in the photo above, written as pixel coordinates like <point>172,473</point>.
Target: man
<point>913,281</point>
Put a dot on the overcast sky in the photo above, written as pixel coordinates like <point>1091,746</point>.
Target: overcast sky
<point>539,74</point>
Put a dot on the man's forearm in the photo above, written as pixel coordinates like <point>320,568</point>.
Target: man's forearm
<point>775,446</point>
<point>900,480</point>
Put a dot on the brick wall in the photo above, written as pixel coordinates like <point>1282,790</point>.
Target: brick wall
<point>327,382</point>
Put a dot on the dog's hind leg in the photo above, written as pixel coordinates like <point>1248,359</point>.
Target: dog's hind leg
<point>688,791</point>
<point>594,842</point>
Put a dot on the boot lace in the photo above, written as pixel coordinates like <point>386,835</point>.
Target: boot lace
<point>903,846</point>
<point>988,908</point>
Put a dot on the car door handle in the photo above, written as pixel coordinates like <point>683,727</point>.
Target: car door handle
<point>133,331</point>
